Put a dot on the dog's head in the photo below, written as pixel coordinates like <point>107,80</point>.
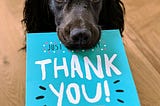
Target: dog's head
<point>78,22</point>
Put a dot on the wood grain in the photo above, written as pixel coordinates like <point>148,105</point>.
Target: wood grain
<point>12,61</point>
<point>141,40</point>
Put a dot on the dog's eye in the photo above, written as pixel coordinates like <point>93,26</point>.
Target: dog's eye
<point>60,1</point>
<point>95,1</point>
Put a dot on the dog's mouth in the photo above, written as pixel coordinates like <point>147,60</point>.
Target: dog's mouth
<point>79,37</point>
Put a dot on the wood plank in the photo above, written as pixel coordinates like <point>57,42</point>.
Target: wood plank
<point>12,62</point>
<point>146,77</point>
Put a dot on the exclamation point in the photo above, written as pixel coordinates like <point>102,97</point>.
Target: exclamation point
<point>107,91</point>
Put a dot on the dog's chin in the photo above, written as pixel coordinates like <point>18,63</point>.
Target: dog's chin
<point>65,39</point>
<point>73,46</point>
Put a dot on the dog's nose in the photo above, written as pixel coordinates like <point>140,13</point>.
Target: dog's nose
<point>80,36</point>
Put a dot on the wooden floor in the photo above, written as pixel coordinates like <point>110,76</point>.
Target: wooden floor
<point>141,39</point>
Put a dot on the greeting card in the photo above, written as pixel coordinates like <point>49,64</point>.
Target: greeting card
<point>100,76</point>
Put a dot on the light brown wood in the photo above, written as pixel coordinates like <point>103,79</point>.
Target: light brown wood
<point>141,40</point>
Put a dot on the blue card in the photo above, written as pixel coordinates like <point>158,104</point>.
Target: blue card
<point>56,76</point>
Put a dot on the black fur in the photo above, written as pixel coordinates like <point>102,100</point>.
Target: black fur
<point>39,17</point>
<point>112,15</point>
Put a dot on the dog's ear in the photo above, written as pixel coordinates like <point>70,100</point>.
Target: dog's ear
<point>112,15</point>
<point>38,17</point>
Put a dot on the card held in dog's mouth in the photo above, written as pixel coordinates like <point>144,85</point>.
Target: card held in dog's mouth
<point>56,76</point>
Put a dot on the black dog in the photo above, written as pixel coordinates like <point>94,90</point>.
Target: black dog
<point>78,22</point>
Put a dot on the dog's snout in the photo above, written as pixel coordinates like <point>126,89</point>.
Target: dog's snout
<point>81,36</point>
